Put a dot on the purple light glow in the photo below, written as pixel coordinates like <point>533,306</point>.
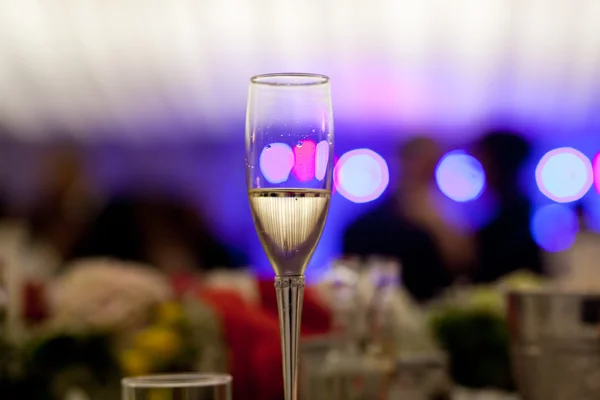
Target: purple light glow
<point>460,176</point>
<point>276,162</point>
<point>361,175</point>
<point>554,227</point>
<point>564,175</point>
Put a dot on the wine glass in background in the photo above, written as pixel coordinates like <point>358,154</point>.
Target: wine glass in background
<point>177,386</point>
<point>289,165</point>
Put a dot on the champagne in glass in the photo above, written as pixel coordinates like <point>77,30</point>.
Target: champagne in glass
<point>289,165</point>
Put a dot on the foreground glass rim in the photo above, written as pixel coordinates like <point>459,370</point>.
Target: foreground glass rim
<point>184,380</point>
<point>290,79</point>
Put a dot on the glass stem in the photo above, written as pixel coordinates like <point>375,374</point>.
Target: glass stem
<point>290,295</point>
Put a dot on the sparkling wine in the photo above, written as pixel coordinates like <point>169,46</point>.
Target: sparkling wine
<point>289,223</point>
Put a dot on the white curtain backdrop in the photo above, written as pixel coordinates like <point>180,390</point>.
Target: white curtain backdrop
<point>149,67</point>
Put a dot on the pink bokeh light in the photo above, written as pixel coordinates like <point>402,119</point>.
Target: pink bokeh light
<point>596,172</point>
<point>305,156</point>
<point>276,162</point>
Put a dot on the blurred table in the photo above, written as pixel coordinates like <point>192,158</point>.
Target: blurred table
<point>467,394</point>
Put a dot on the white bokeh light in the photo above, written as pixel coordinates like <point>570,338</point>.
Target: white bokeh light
<point>361,175</point>
<point>564,175</point>
<point>321,159</point>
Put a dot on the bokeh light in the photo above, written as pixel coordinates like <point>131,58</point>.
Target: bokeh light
<point>596,172</point>
<point>305,156</point>
<point>361,175</point>
<point>460,176</point>
<point>334,183</point>
<point>321,159</point>
<point>554,227</point>
<point>276,162</point>
<point>564,175</point>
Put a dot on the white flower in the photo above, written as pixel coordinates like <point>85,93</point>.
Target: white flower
<point>105,294</point>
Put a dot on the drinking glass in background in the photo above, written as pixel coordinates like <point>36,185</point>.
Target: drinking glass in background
<point>343,280</point>
<point>178,386</point>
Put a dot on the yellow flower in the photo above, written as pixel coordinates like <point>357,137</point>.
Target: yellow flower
<point>158,342</point>
<point>169,313</point>
<point>134,363</point>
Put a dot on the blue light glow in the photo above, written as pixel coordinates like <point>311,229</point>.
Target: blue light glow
<point>361,175</point>
<point>460,176</point>
<point>554,227</point>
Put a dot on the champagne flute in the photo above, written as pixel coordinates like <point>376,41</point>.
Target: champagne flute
<point>289,166</point>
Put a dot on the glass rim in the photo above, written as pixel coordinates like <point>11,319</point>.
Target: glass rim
<point>290,79</point>
<point>183,380</point>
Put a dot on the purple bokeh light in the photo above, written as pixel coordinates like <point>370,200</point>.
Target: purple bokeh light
<point>554,227</point>
<point>460,176</point>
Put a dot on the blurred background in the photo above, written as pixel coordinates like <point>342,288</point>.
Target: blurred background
<point>132,98</point>
<point>467,148</point>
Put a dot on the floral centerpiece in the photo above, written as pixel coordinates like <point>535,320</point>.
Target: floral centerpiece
<point>470,324</point>
<point>108,319</point>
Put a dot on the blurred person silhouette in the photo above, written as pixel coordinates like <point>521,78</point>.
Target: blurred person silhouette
<point>66,203</point>
<point>409,227</point>
<point>5,211</point>
<point>159,231</point>
<point>505,243</point>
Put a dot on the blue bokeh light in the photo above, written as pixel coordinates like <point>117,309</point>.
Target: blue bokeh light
<point>554,227</point>
<point>460,176</point>
<point>361,175</point>
<point>564,175</point>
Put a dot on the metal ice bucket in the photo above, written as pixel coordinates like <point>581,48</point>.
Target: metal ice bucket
<point>555,344</point>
